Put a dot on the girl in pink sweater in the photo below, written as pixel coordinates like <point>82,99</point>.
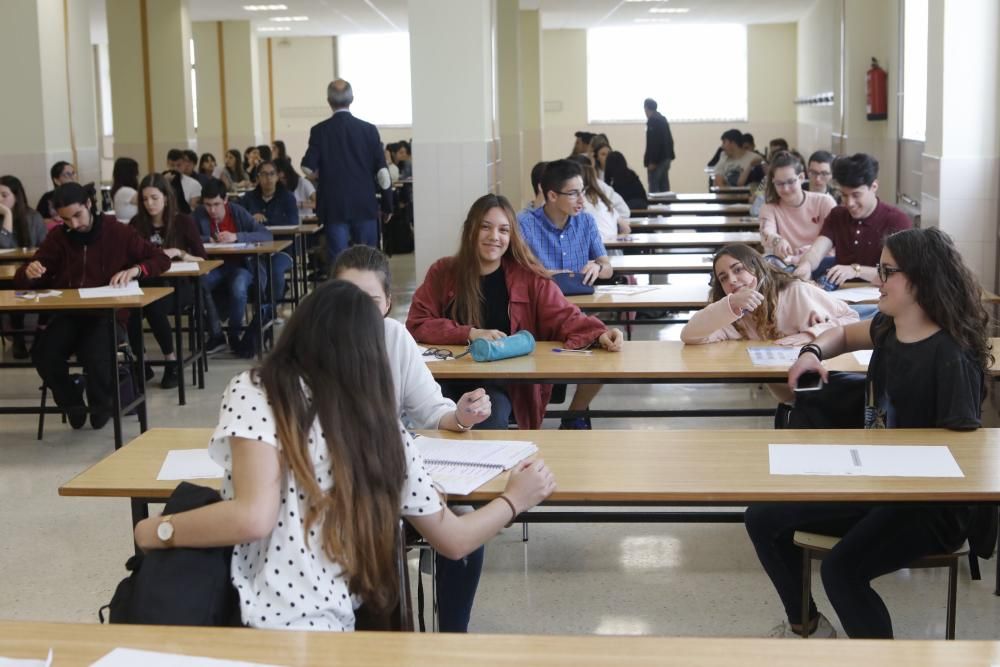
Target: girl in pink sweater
<point>791,219</point>
<point>752,299</point>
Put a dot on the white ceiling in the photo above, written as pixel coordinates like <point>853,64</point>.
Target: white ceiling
<point>338,17</point>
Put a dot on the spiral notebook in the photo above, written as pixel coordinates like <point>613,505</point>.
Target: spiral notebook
<point>462,466</point>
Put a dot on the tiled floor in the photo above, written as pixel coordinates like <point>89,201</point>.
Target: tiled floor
<point>60,558</point>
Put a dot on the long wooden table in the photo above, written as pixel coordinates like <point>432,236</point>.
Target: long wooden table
<point>69,300</point>
<point>697,223</point>
<point>699,197</point>
<point>731,189</point>
<point>671,240</point>
<point>661,264</point>
<point>80,645</point>
<point>17,255</point>
<point>693,209</point>
<point>642,467</point>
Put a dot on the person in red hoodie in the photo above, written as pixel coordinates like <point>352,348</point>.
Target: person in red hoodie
<point>85,251</point>
<point>495,287</point>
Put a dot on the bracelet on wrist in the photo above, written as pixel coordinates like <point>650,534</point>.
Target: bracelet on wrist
<point>513,510</point>
<point>813,349</point>
<point>458,422</point>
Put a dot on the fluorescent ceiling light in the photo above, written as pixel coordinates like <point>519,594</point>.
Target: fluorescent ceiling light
<point>274,28</point>
<point>647,0</point>
<point>265,8</point>
<point>668,10</point>
<point>651,20</point>
<point>287,19</point>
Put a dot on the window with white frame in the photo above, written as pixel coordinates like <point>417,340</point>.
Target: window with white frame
<point>378,68</point>
<point>694,72</point>
<point>915,69</point>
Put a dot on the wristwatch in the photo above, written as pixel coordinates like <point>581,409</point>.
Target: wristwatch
<point>857,269</point>
<point>165,530</point>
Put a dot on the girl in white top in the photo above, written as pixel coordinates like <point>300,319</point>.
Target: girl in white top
<point>610,211</point>
<point>792,218</point>
<point>125,189</point>
<point>318,471</point>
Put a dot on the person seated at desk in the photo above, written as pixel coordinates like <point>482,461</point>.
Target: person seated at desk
<point>421,402</point>
<point>319,472</point>
<point>928,370</point>
<point>495,287</point>
<point>177,161</point>
<point>20,227</point>
<point>581,143</point>
<point>273,206</point>
<point>854,231</point>
<point>791,219</point>
<point>61,172</point>
<point>404,159</point>
<point>207,166</point>
<point>302,188</point>
<point>159,222</point>
<point>231,172</point>
<point>220,221</point>
<point>536,187</point>
<point>251,158</point>
<point>599,149</point>
<point>125,188</point>
<point>820,171</point>
<point>609,210</point>
<point>624,181</point>
<point>117,256</point>
<point>734,165</point>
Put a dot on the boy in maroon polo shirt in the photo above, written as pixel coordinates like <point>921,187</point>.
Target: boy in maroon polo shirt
<point>856,229</point>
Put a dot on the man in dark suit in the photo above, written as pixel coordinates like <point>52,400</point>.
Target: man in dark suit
<point>659,148</point>
<point>345,154</point>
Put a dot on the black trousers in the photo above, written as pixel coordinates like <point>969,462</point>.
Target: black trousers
<point>89,338</point>
<point>158,314</point>
<point>875,540</point>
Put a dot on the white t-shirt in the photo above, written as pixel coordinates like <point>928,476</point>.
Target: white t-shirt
<point>125,210</point>
<point>418,394</point>
<point>281,582</point>
<point>304,190</point>
<point>731,168</point>
<point>191,188</point>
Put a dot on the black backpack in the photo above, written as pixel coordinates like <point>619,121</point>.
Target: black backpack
<point>397,234</point>
<point>179,586</point>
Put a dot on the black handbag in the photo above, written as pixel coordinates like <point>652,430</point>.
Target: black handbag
<point>839,404</point>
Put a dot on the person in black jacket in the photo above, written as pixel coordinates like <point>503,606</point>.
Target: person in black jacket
<point>345,155</point>
<point>659,148</point>
<point>624,181</point>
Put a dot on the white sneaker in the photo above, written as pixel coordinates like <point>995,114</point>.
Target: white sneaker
<point>824,630</point>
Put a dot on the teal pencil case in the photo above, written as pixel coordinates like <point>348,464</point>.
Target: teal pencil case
<point>516,345</point>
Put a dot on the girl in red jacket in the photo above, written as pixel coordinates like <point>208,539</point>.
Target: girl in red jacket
<point>494,287</point>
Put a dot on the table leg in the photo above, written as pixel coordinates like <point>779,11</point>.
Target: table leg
<point>295,269</point>
<point>260,308</point>
<point>141,381</point>
<point>199,328</point>
<point>269,260</point>
<point>178,344</point>
<point>116,399</point>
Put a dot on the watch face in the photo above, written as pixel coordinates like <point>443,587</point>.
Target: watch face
<point>165,531</point>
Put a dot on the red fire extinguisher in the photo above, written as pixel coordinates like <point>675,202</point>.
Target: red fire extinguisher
<point>878,82</point>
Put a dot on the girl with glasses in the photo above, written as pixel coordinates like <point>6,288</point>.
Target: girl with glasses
<point>318,473</point>
<point>931,353</point>
<point>791,218</point>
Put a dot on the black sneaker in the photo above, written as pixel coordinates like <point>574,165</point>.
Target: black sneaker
<point>216,344</point>
<point>19,349</point>
<point>170,379</point>
<point>99,419</point>
<point>150,373</point>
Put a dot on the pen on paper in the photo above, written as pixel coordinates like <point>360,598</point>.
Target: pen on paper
<point>856,458</point>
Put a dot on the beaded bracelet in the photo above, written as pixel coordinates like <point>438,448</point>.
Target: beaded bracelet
<point>812,347</point>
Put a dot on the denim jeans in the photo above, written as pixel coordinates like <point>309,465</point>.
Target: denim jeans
<point>659,178</point>
<point>237,280</point>
<point>280,263</point>
<point>357,232</point>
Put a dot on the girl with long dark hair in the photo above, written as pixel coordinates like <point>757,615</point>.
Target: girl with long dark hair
<point>319,472</point>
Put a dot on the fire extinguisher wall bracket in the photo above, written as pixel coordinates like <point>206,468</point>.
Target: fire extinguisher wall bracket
<point>877,84</point>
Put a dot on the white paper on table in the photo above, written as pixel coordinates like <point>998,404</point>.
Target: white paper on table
<point>429,358</point>
<point>864,357</point>
<point>188,464</point>
<point>132,289</point>
<point>4,251</point>
<point>282,228</point>
<point>778,355</point>
<point>856,294</point>
<point>30,662</point>
<point>177,267</point>
<point>864,460</point>
<point>129,657</point>
<point>624,289</point>
<point>219,246</point>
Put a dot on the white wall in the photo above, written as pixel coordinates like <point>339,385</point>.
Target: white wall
<point>771,113</point>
